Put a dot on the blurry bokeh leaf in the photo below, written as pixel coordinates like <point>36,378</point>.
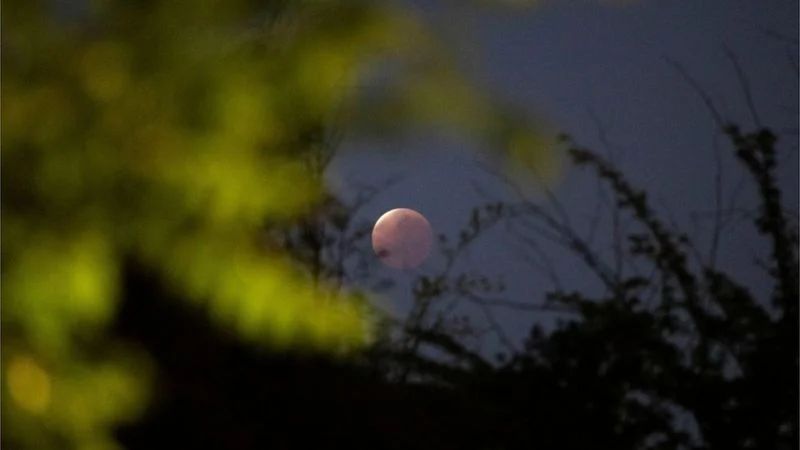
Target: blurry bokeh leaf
<point>167,133</point>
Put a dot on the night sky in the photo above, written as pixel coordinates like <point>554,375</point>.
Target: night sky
<point>598,71</point>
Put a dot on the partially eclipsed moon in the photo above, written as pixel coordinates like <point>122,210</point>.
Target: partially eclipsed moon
<point>402,238</point>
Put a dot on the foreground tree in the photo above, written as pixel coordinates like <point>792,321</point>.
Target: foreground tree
<point>683,358</point>
<point>162,136</point>
<point>686,358</point>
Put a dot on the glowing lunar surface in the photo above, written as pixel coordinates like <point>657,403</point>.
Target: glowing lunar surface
<point>402,238</point>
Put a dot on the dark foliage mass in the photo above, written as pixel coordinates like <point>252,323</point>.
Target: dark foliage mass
<point>643,358</point>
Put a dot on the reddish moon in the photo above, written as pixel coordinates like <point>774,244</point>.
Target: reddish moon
<point>402,238</point>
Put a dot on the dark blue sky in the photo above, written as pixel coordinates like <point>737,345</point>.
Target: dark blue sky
<point>587,66</point>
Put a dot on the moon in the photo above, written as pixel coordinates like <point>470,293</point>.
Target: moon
<point>402,238</point>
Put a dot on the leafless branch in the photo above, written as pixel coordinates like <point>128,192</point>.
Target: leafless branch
<point>745,86</point>
<point>717,228</point>
<point>698,90</point>
<point>617,244</point>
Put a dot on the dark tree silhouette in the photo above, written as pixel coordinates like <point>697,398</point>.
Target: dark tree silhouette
<point>625,372</point>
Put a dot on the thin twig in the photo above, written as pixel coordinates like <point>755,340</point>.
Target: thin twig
<point>698,90</point>
<point>745,85</point>
<point>717,229</point>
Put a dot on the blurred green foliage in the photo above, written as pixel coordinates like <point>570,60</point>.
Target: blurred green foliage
<point>166,133</point>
